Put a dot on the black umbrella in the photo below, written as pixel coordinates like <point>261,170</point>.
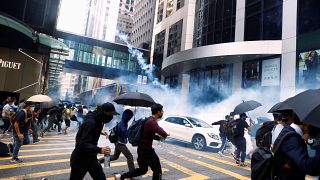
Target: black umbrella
<point>305,105</point>
<point>246,106</point>
<point>135,99</point>
<point>279,105</point>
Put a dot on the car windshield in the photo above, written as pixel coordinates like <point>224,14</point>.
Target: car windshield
<point>199,123</point>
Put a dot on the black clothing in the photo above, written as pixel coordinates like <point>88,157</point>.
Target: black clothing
<point>293,152</point>
<point>221,123</point>
<point>22,121</point>
<point>80,165</point>
<point>84,156</point>
<point>241,126</point>
<point>146,157</point>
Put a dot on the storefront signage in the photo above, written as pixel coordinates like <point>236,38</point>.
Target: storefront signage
<point>270,72</point>
<point>9,64</point>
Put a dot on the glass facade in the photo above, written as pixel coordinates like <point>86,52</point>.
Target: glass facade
<point>174,40</point>
<point>101,56</point>
<point>169,10</point>
<point>211,84</point>
<point>160,11</point>
<point>214,22</point>
<point>308,16</point>
<point>172,81</point>
<point>158,51</point>
<point>263,20</point>
<point>180,4</point>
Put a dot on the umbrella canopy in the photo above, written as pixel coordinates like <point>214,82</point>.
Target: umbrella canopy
<point>135,99</point>
<point>40,98</point>
<point>246,106</point>
<point>306,105</point>
<point>279,105</point>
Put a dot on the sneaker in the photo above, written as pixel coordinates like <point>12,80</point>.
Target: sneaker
<point>36,142</point>
<point>117,176</point>
<point>41,134</point>
<point>243,164</point>
<point>237,162</point>
<point>220,153</point>
<point>16,160</point>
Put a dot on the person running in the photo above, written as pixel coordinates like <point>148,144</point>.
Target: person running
<point>35,114</point>
<point>146,154</point>
<point>222,134</point>
<point>84,156</point>
<point>22,124</point>
<point>67,116</point>
<point>120,145</point>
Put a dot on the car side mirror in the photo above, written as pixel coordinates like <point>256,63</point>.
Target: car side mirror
<point>188,125</point>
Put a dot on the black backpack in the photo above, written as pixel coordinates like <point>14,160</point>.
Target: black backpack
<point>262,160</point>
<point>135,132</point>
<point>231,128</point>
<point>113,135</point>
<point>264,134</point>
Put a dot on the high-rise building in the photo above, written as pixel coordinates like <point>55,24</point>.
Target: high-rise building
<point>211,49</point>
<point>125,21</point>
<point>143,23</point>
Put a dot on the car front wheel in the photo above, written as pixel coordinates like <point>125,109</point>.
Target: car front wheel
<point>199,142</point>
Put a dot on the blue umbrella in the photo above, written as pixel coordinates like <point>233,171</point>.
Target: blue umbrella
<point>263,119</point>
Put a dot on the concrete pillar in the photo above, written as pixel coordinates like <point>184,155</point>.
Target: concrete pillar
<point>185,84</point>
<point>240,16</point>
<point>289,41</point>
<point>236,77</point>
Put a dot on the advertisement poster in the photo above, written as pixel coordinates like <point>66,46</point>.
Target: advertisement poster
<point>308,69</point>
<point>270,72</point>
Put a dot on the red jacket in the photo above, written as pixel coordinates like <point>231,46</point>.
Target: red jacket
<point>150,128</point>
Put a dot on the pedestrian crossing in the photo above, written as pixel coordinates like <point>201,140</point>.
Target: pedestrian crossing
<point>50,158</point>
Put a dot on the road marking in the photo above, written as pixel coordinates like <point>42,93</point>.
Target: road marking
<point>249,162</point>
<point>63,138</point>
<point>37,145</point>
<point>55,172</point>
<point>216,159</point>
<point>38,155</point>
<point>216,168</point>
<point>193,175</point>
<point>46,149</point>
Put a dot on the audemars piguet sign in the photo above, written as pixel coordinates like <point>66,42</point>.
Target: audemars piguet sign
<point>9,64</point>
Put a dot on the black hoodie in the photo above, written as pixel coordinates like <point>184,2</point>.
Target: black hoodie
<point>88,135</point>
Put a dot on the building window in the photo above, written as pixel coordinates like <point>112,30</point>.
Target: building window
<point>308,16</point>
<point>169,10</point>
<point>174,39</point>
<point>160,11</point>
<point>180,4</point>
<point>172,81</point>
<point>210,84</point>
<point>263,20</point>
<point>214,22</point>
<point>158,51</point>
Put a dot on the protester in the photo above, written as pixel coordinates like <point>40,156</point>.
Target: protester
<point>291,161</point>
<point>240,140</point>
<point>84,156</point>
<point>7,113</point>
<point>51,120</point>
<point>20,132</point>
<point>35,115</point>
<point>222,134</point>
<point>120,145</point>
<point>79,115</point>
<point>67,116</point>
<point>146,154</point>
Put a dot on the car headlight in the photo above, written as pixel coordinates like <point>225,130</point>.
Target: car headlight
<point>214,136</point>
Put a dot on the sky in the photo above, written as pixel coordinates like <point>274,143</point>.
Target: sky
<point>72,16</point>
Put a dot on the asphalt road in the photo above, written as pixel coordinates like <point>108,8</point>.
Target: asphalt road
<point>50,159</point>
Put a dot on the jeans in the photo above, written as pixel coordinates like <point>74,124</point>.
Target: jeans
<point>18,143</point>
<point>146,157</point>
<point>34,131</point>
<point>240,143</point>
<point>223,143</point>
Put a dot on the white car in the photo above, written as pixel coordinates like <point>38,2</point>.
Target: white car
<point>191,130</point>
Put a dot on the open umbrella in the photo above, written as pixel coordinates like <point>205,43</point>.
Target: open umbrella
<point>40,98</point>
<point>306,105</point>
<point>246,106</point>
<point>135,99</point>
<point>279,105</point>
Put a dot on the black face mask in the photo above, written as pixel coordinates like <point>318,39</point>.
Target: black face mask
<point>105,118</point>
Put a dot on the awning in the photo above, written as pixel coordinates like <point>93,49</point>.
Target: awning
<point>43,39</point>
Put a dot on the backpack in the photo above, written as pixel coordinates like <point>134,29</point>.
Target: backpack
<point>262,160</point>
<point>135,132</point>
<point>264,134</point>
<point>113,135</point>
<point>231,128</point>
